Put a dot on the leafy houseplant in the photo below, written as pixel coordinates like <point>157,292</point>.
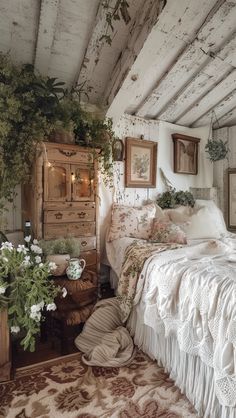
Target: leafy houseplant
<point>59,251</point>
<point>216,149</point>
<point>25,289</point>
<point>171,199</point>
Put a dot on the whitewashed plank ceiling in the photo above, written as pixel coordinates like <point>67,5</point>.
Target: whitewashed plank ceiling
<point>174,60</point>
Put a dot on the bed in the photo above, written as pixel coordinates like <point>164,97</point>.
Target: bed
<point>183,308</point>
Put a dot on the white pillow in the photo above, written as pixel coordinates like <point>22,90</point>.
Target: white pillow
<point>179,215</point>
<point>215,212</point>
<point>201,225</point>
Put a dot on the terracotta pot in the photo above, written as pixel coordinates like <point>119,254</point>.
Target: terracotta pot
<point>62,262</point>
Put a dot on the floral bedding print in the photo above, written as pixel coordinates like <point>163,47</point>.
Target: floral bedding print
<point>164,231</point>
<point>134,222</point>
<point>135,256</point>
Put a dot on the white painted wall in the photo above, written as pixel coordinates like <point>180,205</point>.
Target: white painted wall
<point>161,133</point>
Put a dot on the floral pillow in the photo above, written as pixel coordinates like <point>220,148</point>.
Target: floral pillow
<point>134,222</point>
<point>166,231</point>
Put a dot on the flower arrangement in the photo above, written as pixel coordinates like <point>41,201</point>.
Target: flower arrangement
<point>25,289</point>
<point>69,246</point>
<point>171,199</point>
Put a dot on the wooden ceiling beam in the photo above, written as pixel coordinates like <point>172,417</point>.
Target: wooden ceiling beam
<point>229,119</point>
<point>211,37</point>
<point>46,32</point>
<point>142,64</point>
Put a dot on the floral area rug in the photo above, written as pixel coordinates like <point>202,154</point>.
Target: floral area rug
<point>68,388</point>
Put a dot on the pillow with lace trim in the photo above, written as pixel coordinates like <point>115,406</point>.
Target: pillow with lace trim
<point>168,232</point>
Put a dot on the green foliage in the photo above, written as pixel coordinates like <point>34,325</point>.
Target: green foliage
<point>171,199</point>
<point>118,12</point>
<point>25,289</point>
<point>216,149</point>
<point>31,107</point>
<point>69,246</point>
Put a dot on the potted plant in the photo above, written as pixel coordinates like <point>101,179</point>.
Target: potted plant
<point>25,290</point>
<point>59,251</point>
<point>172,198</point>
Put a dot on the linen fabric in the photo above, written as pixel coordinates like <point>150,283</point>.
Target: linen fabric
<point>167,232</point>
<point>134,222</point>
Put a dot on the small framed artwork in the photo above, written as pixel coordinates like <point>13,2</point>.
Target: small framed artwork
<point>118,150</point>
<point>185,154</point>
<point>140,163</point>
<point>232,198</point>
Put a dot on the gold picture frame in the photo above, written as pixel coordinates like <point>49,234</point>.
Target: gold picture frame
<point>185,154</point>
<point>140,163</point>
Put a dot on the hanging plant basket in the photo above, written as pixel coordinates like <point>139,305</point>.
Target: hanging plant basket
<point>216,149</point>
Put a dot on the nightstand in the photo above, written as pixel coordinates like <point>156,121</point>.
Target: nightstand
<point>72,311</point>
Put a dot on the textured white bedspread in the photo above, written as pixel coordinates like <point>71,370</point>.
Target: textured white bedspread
<point>191,292</point>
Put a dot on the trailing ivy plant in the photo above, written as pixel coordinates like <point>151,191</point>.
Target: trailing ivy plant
<point>32,107</point>
<point>172,198</point>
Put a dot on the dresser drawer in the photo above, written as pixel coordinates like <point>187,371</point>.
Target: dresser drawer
<point>78,229</point>
<point>68,205</point>
<point>87,243</point>
<point>60,216</point>
<point>90,257</point>
<point>70,155</point>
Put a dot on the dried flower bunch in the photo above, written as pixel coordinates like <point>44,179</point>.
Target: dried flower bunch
<point>25,289</point>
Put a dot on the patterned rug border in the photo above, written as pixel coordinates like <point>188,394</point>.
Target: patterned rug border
<point>47,362</point>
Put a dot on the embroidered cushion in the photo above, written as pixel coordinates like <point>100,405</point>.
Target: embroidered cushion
<point>168,232</point>
<point>134,222</point>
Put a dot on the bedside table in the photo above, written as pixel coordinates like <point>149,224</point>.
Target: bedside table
<point>73,310</point>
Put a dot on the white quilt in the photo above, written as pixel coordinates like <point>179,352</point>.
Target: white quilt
<point>191,292</point>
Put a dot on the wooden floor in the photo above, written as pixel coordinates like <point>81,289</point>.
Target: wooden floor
<point>49,349</point>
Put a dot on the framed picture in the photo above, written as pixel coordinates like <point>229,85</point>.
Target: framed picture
<point>232,198</point>
<point>185,154</point>
<point>118,150</point>
<point>140,163</point>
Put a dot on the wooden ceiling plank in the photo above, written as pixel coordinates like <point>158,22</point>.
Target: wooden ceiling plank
<point>223,108</point>
<point>167,39</point>
<point>209,40</point>
<point>46,32</point>
<point>200,85</point>
<point>210,100</point>
<point>228,119</point>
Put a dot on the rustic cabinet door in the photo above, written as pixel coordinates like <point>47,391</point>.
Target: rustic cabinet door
<point>82,177</point>
<point>57,182</point>
<point>5,363</point>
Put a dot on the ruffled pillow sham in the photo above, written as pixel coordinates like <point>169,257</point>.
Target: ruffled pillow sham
<point>167,232</point>
<point>134,222</point>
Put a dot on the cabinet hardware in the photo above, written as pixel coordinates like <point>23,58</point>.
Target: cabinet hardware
<point>84,243</point>
<point>67,153</point>
<point>58,215</point>
<point>81,214</point>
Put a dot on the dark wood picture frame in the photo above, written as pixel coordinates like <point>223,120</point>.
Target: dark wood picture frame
<point>185,154</point>
<point>231,198</point>
<point>140,163</point>
<point>118,150</point>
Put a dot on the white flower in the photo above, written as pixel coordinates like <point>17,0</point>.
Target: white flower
<point>22,249</point>
<point>40,264</point>
<point>51,307</point>
<point>52,266</point>
<point>26,261</point>
<point>15,329</point>
<point>36,249</point>
<point>6,245</point>
<point>35,316</point>
<point>28,238</point>
<point>38,259</point>
<point>2,290</point>
<point>35,242</point>
<point>38,307</point>
<point>64,292</point>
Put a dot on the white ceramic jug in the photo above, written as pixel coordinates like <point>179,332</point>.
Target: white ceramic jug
<point>75,268</point>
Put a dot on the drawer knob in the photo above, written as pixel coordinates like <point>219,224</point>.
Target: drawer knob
<point>81,215</point>
<point>58,215</point>
<point>67,153</point>
<point>84,243</point>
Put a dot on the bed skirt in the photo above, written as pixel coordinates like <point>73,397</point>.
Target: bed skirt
<point>190,374</point>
